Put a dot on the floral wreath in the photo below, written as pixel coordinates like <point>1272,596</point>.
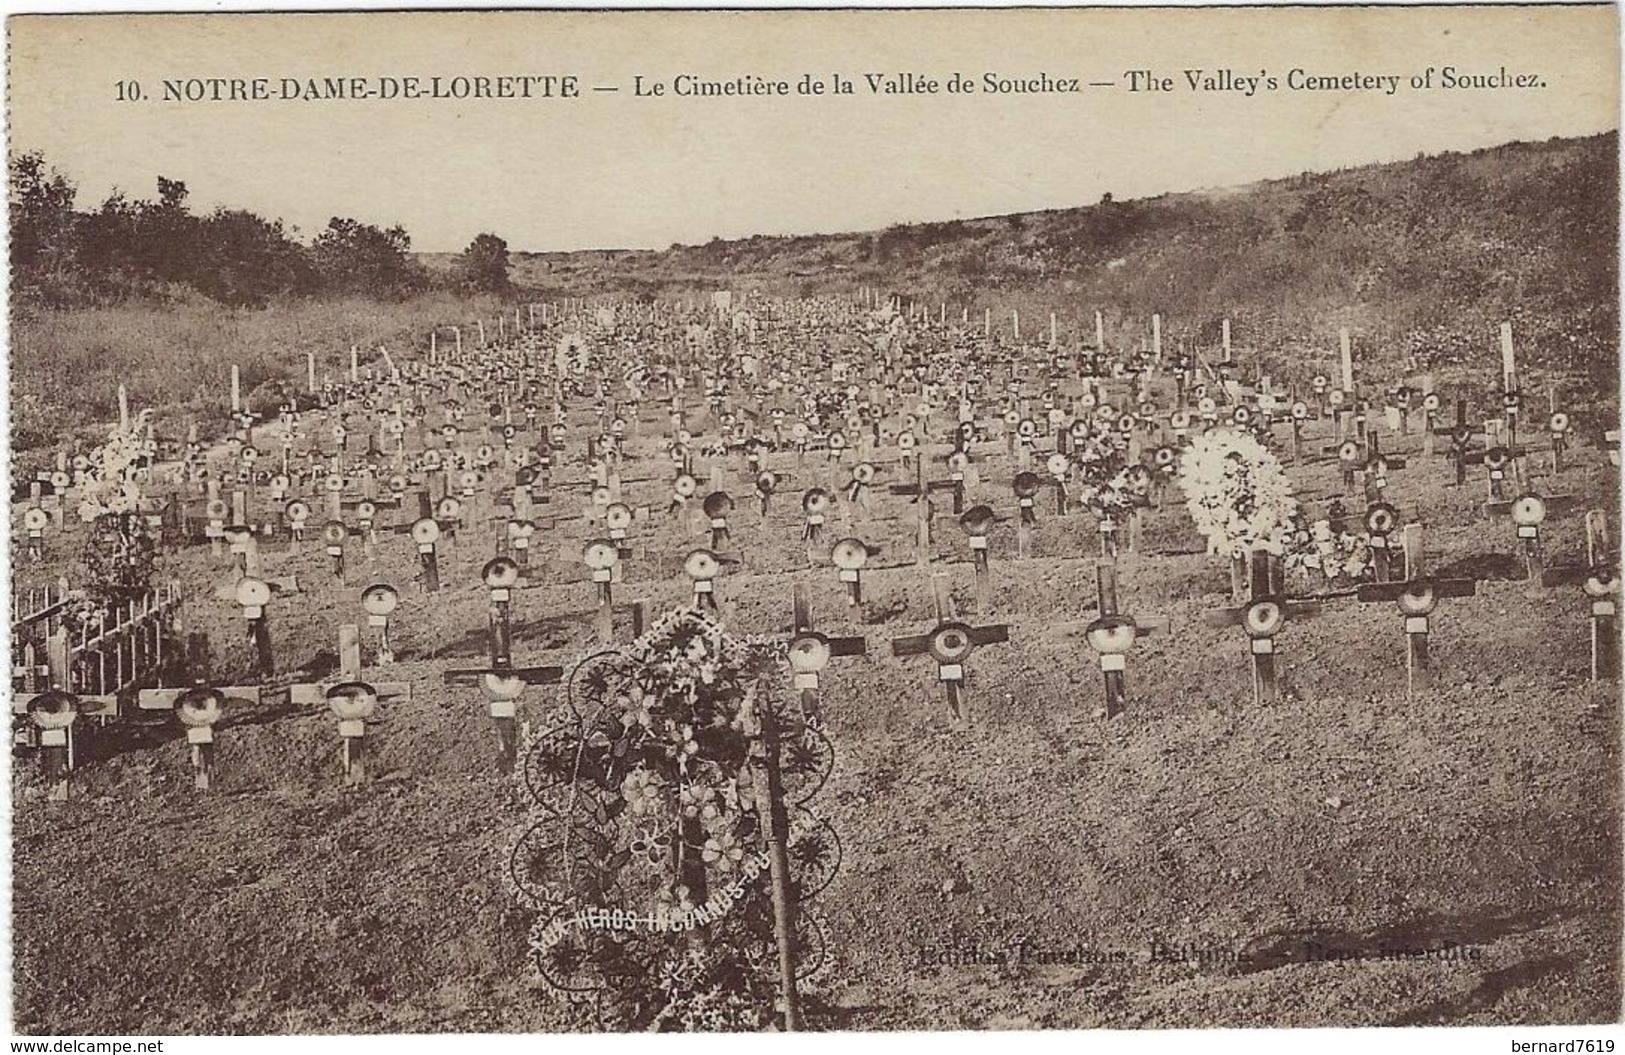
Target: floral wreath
<point>644,857</point>
<point>111,483</point>
<point>1111,486</point>
<point>1237,494</point>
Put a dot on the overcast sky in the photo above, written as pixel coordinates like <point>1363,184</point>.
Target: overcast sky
<point>611,170</point>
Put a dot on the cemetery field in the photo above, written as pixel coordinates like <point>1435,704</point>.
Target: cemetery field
<point>1343,855</point>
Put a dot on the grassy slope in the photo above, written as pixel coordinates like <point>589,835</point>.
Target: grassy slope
<point>66,366</point>
<point>1429,255</point>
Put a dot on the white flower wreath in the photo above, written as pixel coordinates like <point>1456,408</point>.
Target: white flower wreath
<point>1237,493</point>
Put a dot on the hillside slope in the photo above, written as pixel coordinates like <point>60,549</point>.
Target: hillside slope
<point>1424,257</point>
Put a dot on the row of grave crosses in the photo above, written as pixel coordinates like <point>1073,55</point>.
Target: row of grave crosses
<point>496,376</point>
<point>850,555</point>
<point>354,693</point>
<point>1025,429</point>
<point>1359,458</point>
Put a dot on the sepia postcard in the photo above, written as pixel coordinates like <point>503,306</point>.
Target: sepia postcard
<point>533,522</point>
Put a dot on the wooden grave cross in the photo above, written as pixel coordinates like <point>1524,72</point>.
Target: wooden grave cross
<point>1431,402</point>
<point>199,709</point>
<point>334,534</point>
<point>501,683</point>
<point>425,532</point>
<point>1461,441</point>
<point>380,601</point>
<point>1299,415</point>
<point>1558,425</point>
<point>1112,635</point>
<point>1599,579</point>
<point>857,488</point>
<point>1497,460</point>
<point>919,493</point>
<point>54,711</point>
<point>215,511</point>
<point>1381,520</point>
<point>810,652</point>
<point>958,461</point>
<point>683,488</point>
<point>1025,485</point>
<point>716,506</point>
<point>1377,466</point>
<point>601,557</point>
<point>815,506</point>
<point>977,523</point>
<point>849,555</point>
<point>1417,596</point>
<point>1263,616</point>
<point>1059,465</point>
<point>254,595</point>
<point>1165,460</point>
<point>950,643</point>
<point>35,520</point>
<point>1528,512</point>
<point>618,519</point>
<point>702,566</point>
<point>449,513</point>
<point>297,514</point>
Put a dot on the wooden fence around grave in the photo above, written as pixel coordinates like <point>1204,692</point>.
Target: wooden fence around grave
<point>38,612</point>
<point>115,654</point>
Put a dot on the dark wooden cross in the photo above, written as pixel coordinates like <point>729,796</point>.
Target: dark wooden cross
<point>1497,460</point>
<point>810,652</point>
<point>254,595</point>
<point>766,484</point>
<point>1112,635</point>
<point>1262,617</point>
<point>978,522</point>
<point>1528,512</point>
<point>920,493</point>
<point>1461,441</point>
<point>950,643</point>
<point>501,683</point>
<point>717,505</point>
<point>1417,596</point>
<point>1377,466</point>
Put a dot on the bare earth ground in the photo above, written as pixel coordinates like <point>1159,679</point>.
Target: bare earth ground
<point>1485,814</point>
